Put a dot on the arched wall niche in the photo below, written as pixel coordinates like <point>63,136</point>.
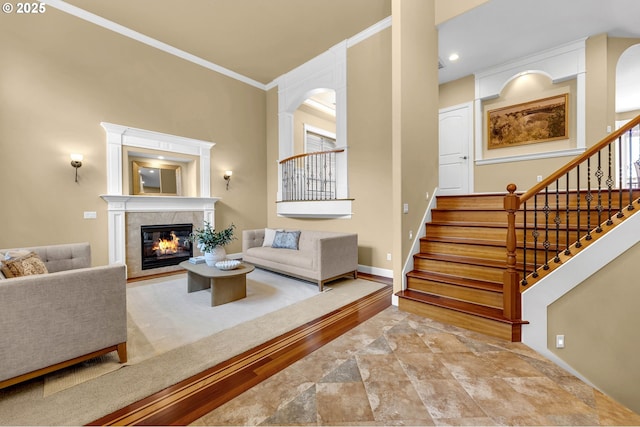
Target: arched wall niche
<point>525,87</point>
<point>327,71</point>
<point>559,64</point>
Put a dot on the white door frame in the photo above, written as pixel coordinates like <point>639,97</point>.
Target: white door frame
<point>470,140</point>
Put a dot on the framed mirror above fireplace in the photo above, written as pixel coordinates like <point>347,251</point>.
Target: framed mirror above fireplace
<point>156,179</point>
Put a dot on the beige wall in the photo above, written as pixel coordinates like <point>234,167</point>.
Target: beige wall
<point>60,77</point>
<point>415,120</point>
<point>599,320</point>
<point>369,142</point>
<point>457,92</point>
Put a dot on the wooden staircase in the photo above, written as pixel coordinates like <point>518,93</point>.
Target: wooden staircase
<point>458,274</point>
<point>480,252</point>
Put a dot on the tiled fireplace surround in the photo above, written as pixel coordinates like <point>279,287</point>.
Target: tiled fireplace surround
<point>135,220</point>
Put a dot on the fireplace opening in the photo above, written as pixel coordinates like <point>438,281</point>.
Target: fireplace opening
<point>165,245</point>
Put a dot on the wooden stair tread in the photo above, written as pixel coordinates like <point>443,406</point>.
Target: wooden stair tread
<point>572,227</point>
<point>457,280</point>
<point>480,242</point>
<point>490,313</point>
<point>462,260</point>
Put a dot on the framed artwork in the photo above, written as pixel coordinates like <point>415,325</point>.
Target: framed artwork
<point>531,122</point>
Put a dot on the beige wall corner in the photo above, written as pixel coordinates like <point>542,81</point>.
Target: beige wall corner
<point>415,120</point>
<point>369,151</point>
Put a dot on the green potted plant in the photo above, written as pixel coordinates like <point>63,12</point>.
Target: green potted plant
<point>212,242</point>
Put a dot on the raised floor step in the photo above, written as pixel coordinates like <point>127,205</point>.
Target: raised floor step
<point>475,317</point>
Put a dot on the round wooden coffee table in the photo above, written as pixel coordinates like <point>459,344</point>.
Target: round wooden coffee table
<point>226,285</point>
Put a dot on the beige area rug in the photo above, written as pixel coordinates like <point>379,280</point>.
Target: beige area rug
<point>162,316</point>
<point>25,404</point>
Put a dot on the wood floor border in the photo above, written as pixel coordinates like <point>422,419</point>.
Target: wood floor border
<point>198,395</point>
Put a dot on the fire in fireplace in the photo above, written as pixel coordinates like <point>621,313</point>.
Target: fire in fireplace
<point>165,245</point>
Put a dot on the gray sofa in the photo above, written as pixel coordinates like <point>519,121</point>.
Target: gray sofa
<point>321,256</point>
<point>70,314</point>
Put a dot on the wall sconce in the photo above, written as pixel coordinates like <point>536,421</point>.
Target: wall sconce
<point>227,177</point>
<point>76,162</point>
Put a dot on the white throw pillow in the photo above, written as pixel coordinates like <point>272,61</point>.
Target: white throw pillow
<point>269,235</point>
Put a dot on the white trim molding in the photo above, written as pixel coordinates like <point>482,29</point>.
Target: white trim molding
<point>325,71</point>
<point>534,156</point>
<point>315,209</point>
<point>119,203</point>
<point>127,32</point>
<point>119,136</point>
<point>562,63</point>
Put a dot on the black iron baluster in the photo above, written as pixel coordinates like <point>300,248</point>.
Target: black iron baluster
<point>578,197</point>
<point>609,182</point>
<point>620,185</point>
<point>524,245</point>
<point>589,199</point>
<point>557,221</point>
<point>546,243</point>
<point>567,251</point>
<point>535,235</point>
<point>301,178</point>
<point>631,168</point>
<point>599,175</point>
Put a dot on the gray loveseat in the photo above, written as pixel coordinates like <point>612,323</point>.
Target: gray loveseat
<point>321,256</point>
<point>70,314</point>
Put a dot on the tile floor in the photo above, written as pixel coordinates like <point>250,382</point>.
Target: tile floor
<point>402,369</point>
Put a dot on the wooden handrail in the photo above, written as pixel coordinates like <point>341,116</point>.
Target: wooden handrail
<point>513,202</point>
<point>339,150</point>
<point>579,159</point>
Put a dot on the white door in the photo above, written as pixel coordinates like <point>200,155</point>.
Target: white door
<point>455,144</point>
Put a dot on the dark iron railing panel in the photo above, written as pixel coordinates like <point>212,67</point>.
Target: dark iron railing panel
<point>310,176</point>
<point>557,226</point>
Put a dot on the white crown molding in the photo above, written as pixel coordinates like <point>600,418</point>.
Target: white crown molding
<point>535,156</point>
<point>127,32</point>
<point>371,31</point>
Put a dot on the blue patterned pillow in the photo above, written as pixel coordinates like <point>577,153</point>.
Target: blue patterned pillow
<point>286,240</point>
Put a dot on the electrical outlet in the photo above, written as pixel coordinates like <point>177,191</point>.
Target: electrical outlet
<point>389,256</point>
<point>559,341</point>
<point>539,178</point>
<point>405,208</point>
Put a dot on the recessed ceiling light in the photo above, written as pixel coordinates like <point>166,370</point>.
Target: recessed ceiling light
<point>453,57</point>
<point>160,157</point>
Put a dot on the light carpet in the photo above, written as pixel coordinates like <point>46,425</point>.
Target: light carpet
<point>162,316</point>
<point>24,404</point>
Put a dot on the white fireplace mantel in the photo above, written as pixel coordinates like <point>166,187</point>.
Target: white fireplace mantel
<point>119,204</point>
<point>160,203</point>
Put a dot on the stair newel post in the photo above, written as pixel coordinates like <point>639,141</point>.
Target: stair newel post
<point>511,281</point>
